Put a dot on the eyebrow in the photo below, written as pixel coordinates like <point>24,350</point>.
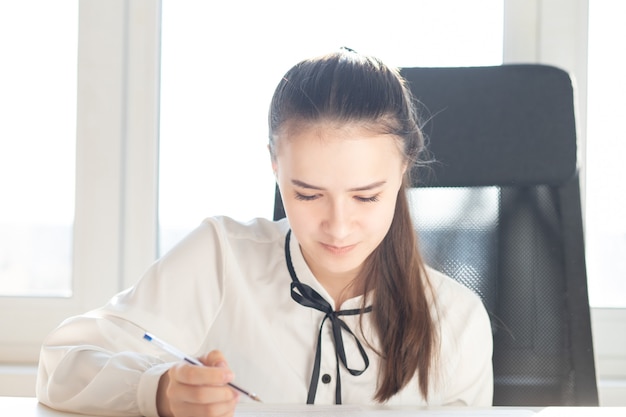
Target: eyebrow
<point>362,188</point>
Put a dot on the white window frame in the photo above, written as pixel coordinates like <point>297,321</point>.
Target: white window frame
<point>116,170</point>
<point>115,229</point>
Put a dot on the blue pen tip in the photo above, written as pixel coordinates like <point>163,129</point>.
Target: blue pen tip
<point>147,337</point>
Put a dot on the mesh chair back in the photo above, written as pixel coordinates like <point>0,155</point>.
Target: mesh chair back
<point>504,218</point>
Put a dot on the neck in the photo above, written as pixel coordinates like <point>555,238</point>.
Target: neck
<point>340,287</point>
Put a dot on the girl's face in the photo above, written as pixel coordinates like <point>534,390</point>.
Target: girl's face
<point>339,187</point>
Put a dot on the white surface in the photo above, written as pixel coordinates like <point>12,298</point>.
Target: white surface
<point>29,407</point>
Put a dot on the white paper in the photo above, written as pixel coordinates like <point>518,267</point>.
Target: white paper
<point>265,410</point>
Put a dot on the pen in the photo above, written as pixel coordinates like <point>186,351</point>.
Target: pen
<point>180,355</point>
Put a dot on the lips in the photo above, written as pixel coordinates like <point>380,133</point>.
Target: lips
<point>338,250</point>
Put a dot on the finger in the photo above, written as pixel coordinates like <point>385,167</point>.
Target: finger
<point>214,358</point>
<point>175,398</point>
<point>201,394</point>
<point>201,375</point>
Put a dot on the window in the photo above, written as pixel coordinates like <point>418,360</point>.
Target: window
<point>63,160</point>
<point>606,145</point>
<point>606,196</point>
<point>215,94</point>
<point>37,145</point>
<point>37,170</point>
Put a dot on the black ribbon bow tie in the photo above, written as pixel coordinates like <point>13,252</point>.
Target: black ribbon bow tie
<point>308,297</point>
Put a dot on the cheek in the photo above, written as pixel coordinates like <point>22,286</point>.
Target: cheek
<point>379,219</point>
<point>300,215</point>
<point>297,215</point>
<point>382,220</point>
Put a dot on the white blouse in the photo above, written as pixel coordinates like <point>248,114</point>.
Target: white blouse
<point>226,286</point>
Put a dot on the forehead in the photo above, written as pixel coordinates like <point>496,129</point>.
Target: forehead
<point>328,153</point>
<point>336,134</point>
<point>297,127</point>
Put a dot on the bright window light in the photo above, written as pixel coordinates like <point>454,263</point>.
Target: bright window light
<point>606,146</point>
<point>38,41</point>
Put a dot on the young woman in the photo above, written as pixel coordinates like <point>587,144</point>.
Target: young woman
<point>331,305</point>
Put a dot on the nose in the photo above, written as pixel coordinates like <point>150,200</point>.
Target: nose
<point>338,221</point>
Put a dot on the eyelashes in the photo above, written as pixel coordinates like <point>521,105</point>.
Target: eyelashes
<point>306,197</point>
<point>371,199</point>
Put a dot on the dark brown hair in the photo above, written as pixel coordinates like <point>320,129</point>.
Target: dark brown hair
<point>348,87</point>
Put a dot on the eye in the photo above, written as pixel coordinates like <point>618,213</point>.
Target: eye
<point>305,197</point>
<point>371,199</point>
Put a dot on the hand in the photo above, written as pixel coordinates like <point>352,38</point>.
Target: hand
<point>190,390</point>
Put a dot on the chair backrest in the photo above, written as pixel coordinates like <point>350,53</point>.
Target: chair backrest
<point>499,210</point>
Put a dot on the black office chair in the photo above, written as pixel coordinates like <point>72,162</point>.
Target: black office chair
<point>499,210</point>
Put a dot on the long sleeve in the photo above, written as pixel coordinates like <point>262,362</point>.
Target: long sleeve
<point>99,376</point>
<point>98,363</point>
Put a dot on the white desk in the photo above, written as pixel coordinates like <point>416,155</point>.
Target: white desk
<point>29,407</point>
